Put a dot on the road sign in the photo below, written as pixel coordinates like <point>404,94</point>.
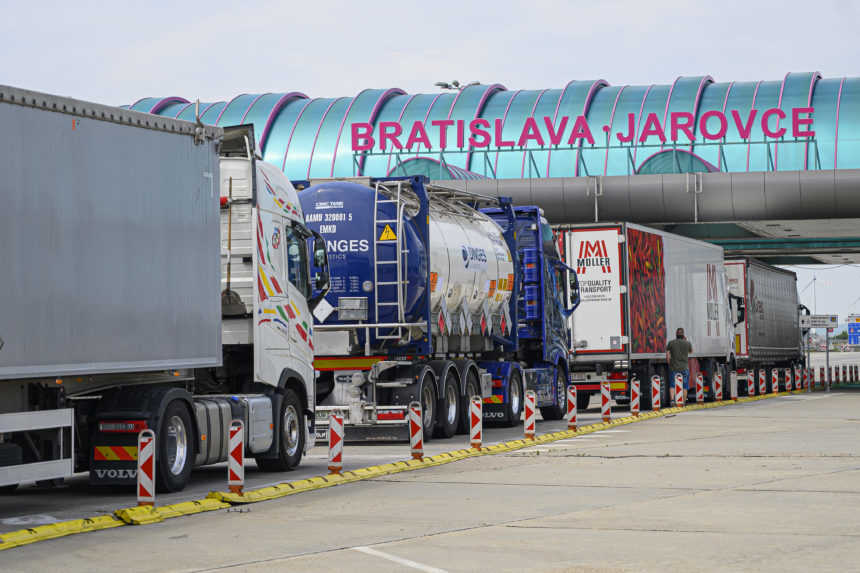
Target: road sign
<point>824,320</point>
<point>853,328</point>
<point>854,339</point>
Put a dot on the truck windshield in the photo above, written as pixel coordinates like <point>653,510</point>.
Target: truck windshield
<point>297,259</point>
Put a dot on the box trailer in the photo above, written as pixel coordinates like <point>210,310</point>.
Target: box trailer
<point>766,313</point>
<point>155,275</point>
<point>637,286</point>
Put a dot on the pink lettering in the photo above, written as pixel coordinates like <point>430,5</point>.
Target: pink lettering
<point>385,136</point>
<point>797,122</point>
<point>530,131</point>
<point>443,125</point>
<point>687,126</point>
<point>362,138</point>
<point>555,136</point>
<point>744,130</point>
<point>475,129</point>
<point>418,135</point>
<point>580,131</point>
<point>499,141</point>
<point>461,136</point>
<point>765,123</point>
<point>631,129</point>
<point>652,127</point>
<point>703,125</point>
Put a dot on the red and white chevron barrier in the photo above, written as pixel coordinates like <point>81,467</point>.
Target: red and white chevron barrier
<point>476,421</point>
<point>799,381</point>
<point>146,467</point>
<point>789,383</point>
<point>836,375</point>
<point>733,385</point>
<point>718,386</point>
<point>655,392</point>
<point>845,373</point>
<point>416,431</point>
<point>700,388</point>
<point>335,443</point>
<point>634,395</point>
<point>762,381</point>
<point>823,376</point>
<point>750,382</point>
<point>809,377</point>
<point>236,456</point>
<point>529,418</point>
<point>605,398</point>
<point>571,407</point>
<point>679,390</point>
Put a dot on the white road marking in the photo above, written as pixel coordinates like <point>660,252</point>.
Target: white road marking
<point>399,560</point>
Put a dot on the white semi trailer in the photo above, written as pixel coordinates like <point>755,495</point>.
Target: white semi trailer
<point>155,274</point>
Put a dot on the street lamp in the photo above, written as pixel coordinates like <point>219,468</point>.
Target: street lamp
<point>455,85</point>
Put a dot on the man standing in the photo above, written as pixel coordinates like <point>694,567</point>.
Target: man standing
<point>677,353</point>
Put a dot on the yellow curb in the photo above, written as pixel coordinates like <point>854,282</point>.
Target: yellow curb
<point>142,515</point>
<point>55,530</point>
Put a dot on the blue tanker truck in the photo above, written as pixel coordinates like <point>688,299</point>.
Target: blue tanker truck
<point>435,296</point>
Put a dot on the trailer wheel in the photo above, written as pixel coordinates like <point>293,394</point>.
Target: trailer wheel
<point>174,459</point>
<point>473,388</point>
<point>514,405</point>
<point>427,396</point>
<point>557,410</point>
<point>292,437</point>
<point>449,406</point>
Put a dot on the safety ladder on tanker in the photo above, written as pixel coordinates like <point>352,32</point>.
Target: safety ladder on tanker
<point>381,237</point>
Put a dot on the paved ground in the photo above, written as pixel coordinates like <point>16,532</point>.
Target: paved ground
<point>770,485</point>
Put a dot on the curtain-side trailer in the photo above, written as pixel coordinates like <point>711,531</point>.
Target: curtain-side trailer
<point>637,286</point>
<point>155,276</point>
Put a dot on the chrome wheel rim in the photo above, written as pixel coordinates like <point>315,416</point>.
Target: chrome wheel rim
<point>177,445</point>
<point>290,430</point>
<point>427,404</point>
<point>451,402</point>
<point>515,396</point>
<point>560,389</point>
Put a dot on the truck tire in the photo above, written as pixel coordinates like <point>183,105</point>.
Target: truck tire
<point>514,404</point>
<point>448,406</point>
<point>175,452</point>
<point>473,388</point>
<point>583,399</point>
<point>291,438</point>
<point>557,410</point>
<point>427,398</point>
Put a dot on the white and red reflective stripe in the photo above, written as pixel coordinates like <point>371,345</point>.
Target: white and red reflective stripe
<point>605,397</point>
<point>529,418</point>
<point>733,385</point>
<point>700,388</point>
<point>655,392</point>
<point>416,431</point>
<point>789,383</point>
<point>679,390</point>
<point>571,407</point>
<point>475,422</point>
<point>146,467</point>
<point>236,456</point>
<point>335,443</point>
<point>634,395</point>
<point>751,383</point>
<point>718,386</point>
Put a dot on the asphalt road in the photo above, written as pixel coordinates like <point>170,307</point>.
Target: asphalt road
<point>763,486</point>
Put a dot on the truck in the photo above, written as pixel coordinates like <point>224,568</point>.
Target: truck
<point>766,310</point>
<point>637,286</point>
<point>436,296</point>
<point>156,275</point>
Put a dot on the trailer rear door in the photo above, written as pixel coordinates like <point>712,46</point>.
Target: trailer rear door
<point>598,324</point>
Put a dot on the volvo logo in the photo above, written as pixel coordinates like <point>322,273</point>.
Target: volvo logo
<point>121,474</point>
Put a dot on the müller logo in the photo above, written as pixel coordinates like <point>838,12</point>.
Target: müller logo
<point>680,126</point>
<point>593,254</point>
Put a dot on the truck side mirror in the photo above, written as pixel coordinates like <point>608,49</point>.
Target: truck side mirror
<point>321,281</point>
<point>574,290</point>
<point>320,256</point>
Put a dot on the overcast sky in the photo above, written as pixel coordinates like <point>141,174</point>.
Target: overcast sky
<point>120,51</point>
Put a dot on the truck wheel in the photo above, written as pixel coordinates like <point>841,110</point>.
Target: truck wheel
<point>514,405</point>
<point>583,399</point>
<point>427,397</point>
<point>292,436</point>
<point>473,388</point>
<point>449,406</point>
<point>173,461</point>
<point>557,410</point>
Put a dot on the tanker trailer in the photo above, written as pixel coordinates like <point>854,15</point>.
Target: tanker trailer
<point>434,299</point>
